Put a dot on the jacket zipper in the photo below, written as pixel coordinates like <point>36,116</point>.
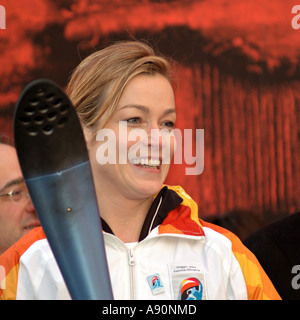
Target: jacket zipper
<point>131,258</point>
<point>131,261</point>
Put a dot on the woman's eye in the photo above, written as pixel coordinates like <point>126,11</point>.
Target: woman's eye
<point>134,120</point>
<point>169,124</point>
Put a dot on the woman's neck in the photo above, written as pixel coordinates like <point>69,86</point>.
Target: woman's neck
<point>125,217</point>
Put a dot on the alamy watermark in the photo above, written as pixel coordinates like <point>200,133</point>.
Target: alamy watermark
<point>138,147</point>
<point>2,17</point>
<point>2,277</point>
<point>296,278</point>
<point>296,19</point>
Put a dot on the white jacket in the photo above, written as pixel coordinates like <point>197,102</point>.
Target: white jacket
<point>180,258</point>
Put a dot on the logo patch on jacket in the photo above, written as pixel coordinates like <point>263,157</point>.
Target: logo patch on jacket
<point>155,284</point>
<point>188,282</point>
<point>191,289</point>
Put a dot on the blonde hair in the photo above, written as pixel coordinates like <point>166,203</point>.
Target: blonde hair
<point>98,82</point>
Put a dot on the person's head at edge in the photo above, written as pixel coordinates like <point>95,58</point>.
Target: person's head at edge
<point>17,214</point>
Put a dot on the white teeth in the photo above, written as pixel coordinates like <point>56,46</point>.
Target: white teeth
<point>146,162</point>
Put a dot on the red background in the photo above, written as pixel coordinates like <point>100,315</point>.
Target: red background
<point>238,79</point>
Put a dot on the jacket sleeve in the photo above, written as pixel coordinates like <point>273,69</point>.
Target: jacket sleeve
<point>259,286</point>
<point>9,265</point>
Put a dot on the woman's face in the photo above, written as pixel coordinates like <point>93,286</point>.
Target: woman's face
<point>142,155</point>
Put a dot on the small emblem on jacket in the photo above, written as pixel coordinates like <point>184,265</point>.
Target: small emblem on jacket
<point>188,281</point>
<point>191,289</point>
<point>155,284</point>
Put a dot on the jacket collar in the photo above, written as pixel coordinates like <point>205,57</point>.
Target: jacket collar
<point>183,219</point>
<point>173,211</point>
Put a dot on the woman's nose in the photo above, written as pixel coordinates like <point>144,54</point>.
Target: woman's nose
<point>154,135</point>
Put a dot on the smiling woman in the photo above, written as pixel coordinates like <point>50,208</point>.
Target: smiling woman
<point>125,83</point>
<point>145,105</point>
